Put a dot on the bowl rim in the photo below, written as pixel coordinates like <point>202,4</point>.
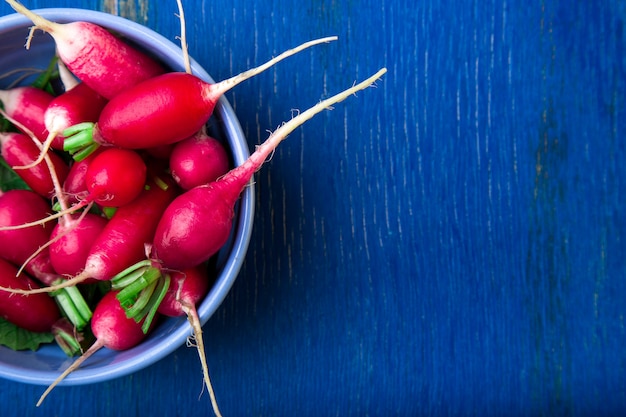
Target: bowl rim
<point>242,227</point>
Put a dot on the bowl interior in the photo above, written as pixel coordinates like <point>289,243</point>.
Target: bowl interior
<point>43,366</point>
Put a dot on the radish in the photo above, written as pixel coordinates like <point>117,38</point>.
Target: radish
<point>101,60</point>
<point>71,241</point>
<point>27,105</point>
<point>27,246</point>
<point>115,177</point>
<point>36,313</point>
<point>198,222</point>
<point>162,152</point>
<point>19,150</point>
<point>164,109</point>
<point>18,207</point>
<point>77,105</point>
<point>112,330</point>
<point>198,160</point>
<point>75,185</point>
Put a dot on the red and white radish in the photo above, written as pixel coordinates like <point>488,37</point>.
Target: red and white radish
<point>79,104</point>
<point>165,109</point>
<point>198,222</point>
<point>146,289</point>
<point>98,58</point>
<point>27,105</point>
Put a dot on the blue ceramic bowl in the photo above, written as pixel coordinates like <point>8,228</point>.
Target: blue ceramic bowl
<point>43,366</point>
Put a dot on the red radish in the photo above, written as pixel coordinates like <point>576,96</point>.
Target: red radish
<point>94,55</point>
<point>198,160</point>
<point>198,222</point>
<point>68,252</point>
<point>36,313</point>
<point>76,105</point>
<point>19,207</point>
<point>27,105</point>
<point>145,289</point>
<point>112,329</point>
<point>187,289</point>
<point>161,152</point>
<point>79,104</point>
<point>75,186</point>
<point>123,240</point>
<point>19,150</point>
<point>115,177</point>
<point>165,109</point>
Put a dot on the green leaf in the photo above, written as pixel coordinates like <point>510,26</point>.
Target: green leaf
<point>9,180</point>
<point>17,338</point>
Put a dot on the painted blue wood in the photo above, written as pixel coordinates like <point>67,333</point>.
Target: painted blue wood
<point>450,243</point>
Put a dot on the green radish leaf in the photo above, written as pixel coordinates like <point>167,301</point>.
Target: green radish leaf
<point>16,338</point>
<point>43,80</point>
<point>9,180</point>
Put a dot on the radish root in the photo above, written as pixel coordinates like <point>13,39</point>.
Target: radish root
<point>194,321</point>
<point>183,37</point>
<point>52,288</point>
<point>23,74</point>
<point>79,361</point>
<point>225,85</point>
<point>40,22</point>
<point>286,128</point>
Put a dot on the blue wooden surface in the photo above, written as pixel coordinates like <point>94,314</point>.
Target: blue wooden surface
<point>451,243</point>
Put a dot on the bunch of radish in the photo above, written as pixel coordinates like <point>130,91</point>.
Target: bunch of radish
<point>101,208</point>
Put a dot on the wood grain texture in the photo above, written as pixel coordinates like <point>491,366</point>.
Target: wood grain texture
<point>449,243</point>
